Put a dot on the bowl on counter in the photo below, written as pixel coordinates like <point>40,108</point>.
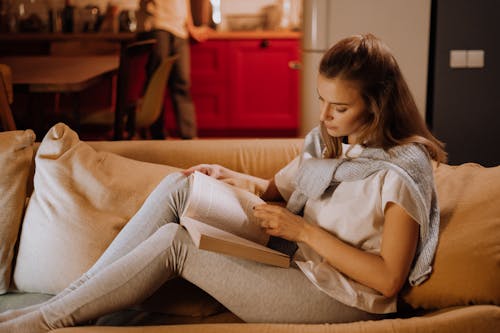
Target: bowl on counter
<point>245,22</point>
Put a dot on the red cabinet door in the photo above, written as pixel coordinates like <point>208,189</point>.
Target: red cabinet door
<point>244,87</point>
<point>209,77</point>
<point>264,85</point>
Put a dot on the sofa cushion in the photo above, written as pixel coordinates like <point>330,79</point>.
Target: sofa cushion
<point>467,262</point>
<point>479,318</point>
<point>16,155</point>
<point>82,198</point>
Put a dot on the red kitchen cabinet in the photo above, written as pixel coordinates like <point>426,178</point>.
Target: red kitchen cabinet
<point>264,91</point>
<point>244,87</point>
<point>209,80</point>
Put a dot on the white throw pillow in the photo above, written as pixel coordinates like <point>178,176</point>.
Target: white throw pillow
<point>82,198</point>
<point>16,156</point>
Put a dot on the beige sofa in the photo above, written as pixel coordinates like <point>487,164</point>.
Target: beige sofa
<point>84,192</point>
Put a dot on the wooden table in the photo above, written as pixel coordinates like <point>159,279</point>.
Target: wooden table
<point>60,75</point>
<point>74,44</point>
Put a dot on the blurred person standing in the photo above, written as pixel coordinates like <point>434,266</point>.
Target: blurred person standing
<point>170,22</point>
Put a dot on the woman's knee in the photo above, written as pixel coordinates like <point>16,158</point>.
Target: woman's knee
<point>168,232</point>
<point>175,234</point>
<point>175,182</point>
<point>177,243</point>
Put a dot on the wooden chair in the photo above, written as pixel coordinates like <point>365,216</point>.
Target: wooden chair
<point>6,97</point>
<point>149,107</point>
<point>129,89</point>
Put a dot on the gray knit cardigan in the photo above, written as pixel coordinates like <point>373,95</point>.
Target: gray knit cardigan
<point>410,161</point>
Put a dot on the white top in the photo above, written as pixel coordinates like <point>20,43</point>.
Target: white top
<point>354,213</point>
<point>169,15</point>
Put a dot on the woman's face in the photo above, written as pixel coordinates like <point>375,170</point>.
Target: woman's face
<point>343,110</point>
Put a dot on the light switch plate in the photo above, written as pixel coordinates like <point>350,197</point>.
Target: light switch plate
<point>458,58</point>
<point>475,58</point>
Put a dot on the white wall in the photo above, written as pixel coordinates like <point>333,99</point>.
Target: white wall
<point>402,24</point>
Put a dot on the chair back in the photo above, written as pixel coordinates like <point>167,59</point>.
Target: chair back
<point>6,97</point>
<point>150,107</point>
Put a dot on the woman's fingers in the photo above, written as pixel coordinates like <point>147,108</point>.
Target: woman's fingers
<point>278,221</point>
<point>206,169</point>
<point>268,216</point>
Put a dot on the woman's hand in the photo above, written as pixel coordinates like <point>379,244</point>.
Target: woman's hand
<point>279,221</point>
<point>213,170</point>
<point>201,33</point>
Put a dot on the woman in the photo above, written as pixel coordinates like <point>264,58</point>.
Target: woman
<point>364,215</point>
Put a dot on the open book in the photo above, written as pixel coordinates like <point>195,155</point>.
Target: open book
<point>219,218</point>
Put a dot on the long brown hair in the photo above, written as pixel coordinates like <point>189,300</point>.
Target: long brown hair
<point>394,116</point>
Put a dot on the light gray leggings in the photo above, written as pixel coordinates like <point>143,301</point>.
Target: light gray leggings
<point>151,250</point>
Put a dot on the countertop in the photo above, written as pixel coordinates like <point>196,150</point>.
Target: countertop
<point>259,34</point>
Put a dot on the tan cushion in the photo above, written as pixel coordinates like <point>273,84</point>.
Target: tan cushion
<point>467,262</point>
<point>82,198</point>
<point>16,155</point>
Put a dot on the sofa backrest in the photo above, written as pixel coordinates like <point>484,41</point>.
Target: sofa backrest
<point>259,157</point>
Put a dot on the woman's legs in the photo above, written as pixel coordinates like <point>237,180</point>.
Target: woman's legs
<point>161,207</point>
<point>137,263</point>
<point>127,281</point>
<point>255,292</point>
<point>262,293</point>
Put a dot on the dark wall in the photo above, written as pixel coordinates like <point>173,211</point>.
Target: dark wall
<point>464,104</point>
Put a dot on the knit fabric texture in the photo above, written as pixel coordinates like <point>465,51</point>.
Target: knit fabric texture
<point>410,161</point>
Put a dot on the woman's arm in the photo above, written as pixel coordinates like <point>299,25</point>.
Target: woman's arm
<point>200,33</point>
<point>385,272</point>
<point>271,193</point>
<point>266,189</point>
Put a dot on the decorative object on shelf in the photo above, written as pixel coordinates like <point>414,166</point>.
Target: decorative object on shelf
<point>110,21</point>
<point>5,15</point>
<point>27,18</point>
<point>68,17</point>
<point>272,17</point>
<point>291,12</point>
<point>128,21</point>
<point>55,20</point>
<point>90,18</point>
<point>245,22</point>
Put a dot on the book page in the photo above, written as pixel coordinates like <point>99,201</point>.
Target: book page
<point>225,207</point>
